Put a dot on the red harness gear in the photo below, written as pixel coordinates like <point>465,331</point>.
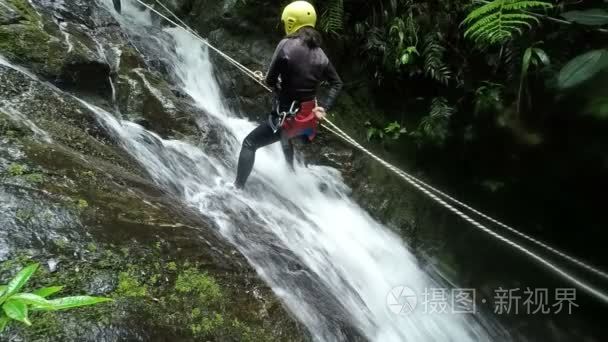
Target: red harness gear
<point>303,123</point>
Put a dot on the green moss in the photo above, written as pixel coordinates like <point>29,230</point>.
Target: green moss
<point>130,286</point>
<point>20,170</point>
<point>154,279</point>
<point>24,42</point>
<point>61,243</point>
<point>207,325</point>
<point>13,264</point>
<point>82,204</point>
<point>90,175</point>
<point>160,292</point>
<point>245,332</point>
<point>172,266</point>
<point>25,9</point>
<point>91,247</point>
<point>29,41</point>
<point>35,178</point>
<point>43,324</point>
<point>17,169</point>
<point>200,284</point>
<point>24,215</point>
<point>196,312</point>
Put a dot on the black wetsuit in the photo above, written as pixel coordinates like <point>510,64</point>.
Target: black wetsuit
<point>301,70</point>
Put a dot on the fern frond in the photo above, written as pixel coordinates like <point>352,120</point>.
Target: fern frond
<point>434,127</point>
<point>497,21</point>
<point>492,7</point>
<point>434,65</point>
<point>333,17</point>
<point>514,5</point>
<point>441,108</point>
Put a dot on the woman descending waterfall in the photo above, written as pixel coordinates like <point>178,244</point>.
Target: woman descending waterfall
<point>297,68</point>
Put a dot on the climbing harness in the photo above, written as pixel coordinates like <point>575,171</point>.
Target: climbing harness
<point>433,193</point>
<point>298,121</point>
<point>304,123</point>
<point>282,115</point>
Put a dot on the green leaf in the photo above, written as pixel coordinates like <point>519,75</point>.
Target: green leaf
<point>412,50</point>
<point>16,310</point>
<point>592,17</point>
<point>526,63</point>
<point>2,290</point>
<point>370,133</point>
<point>72,302</point>
<point>19,281</point>
<point>47,291</point>
<point>582,68</point>
<point>4,320</point>
<point>542,56</point>
<point>392,127</point>
<point>598,108</point>
<point>30,299</point>
<point>497,21</point>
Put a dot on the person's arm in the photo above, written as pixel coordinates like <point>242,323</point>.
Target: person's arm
<point>276,64</point>
<point>335,86</point>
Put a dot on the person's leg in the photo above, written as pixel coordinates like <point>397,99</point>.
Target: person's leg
<point>287,145</point>
<point>259,137</point>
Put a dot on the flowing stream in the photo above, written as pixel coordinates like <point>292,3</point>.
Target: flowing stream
<point>332,265</point>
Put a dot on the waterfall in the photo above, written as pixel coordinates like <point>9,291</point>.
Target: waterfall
<point>337,270</point>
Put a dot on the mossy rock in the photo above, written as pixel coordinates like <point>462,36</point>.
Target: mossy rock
<point>78,202</point>
<point>144,97</point>
<point>37,43</point>
<point>181,302</point>
<point>30,44</point>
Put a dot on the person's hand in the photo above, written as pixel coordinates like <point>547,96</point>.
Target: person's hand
<point>319,112</point>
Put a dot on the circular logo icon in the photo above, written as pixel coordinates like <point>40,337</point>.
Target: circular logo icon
<point>401,300</point>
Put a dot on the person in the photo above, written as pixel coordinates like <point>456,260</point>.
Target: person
<point>296,71</point>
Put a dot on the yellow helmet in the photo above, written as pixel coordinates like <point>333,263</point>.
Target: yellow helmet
<point>297,15</point>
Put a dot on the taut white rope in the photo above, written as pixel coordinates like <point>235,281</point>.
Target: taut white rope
<point>398,171</point>
<point>581,284</point>
<point>186,28</point>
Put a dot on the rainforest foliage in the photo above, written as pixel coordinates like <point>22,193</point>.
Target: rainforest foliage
<point>457,63</point>
<point>508,95</point>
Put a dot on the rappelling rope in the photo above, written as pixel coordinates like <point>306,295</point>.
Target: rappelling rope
<point>337,131</point>
<point>418,184</point>
<point>251,74</point>
<point>590,289</point>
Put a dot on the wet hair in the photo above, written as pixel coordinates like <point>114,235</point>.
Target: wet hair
<point>310,36</point>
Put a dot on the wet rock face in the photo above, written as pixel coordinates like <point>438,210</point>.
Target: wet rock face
<point>245,31</point>
<point>73,200</point>
<point>144,97</point>
<point>39,36</point>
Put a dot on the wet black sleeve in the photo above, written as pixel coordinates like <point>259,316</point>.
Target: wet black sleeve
<point>335,86</point>
<point>276,65</point>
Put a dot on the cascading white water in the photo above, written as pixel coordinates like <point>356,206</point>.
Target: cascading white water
<point>349,262</point>
<point>326,258</point>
